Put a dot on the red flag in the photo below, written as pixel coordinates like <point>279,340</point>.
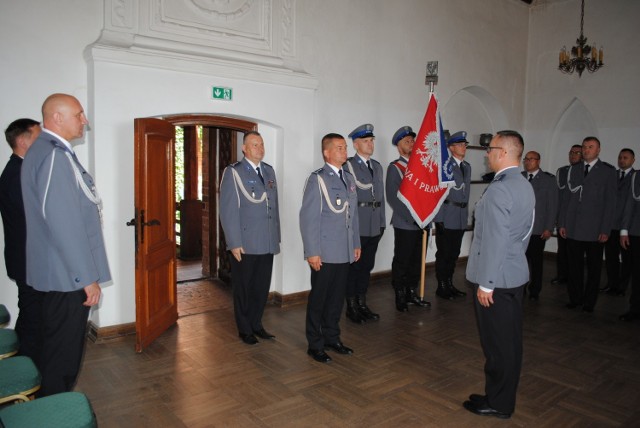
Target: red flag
<point>422,190</point>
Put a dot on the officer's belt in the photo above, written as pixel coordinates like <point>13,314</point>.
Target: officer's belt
<point>369,204</point>
<point>457,204</point>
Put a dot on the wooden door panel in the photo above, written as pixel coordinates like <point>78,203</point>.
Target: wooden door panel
<point>156,293</point>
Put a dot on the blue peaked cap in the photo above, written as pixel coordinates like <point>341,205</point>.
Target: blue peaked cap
<point>362,131</point>
<point>401,133</point>
<point>458,137</point>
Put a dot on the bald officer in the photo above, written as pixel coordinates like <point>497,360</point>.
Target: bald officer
<point>498,266</point>
<point>329,228</point>
<point>452,218</point>
<point>546,192</point>
<point>251,224</point>
<point>66,256</point>
<point>368,176</point>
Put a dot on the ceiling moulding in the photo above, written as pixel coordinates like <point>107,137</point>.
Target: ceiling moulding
<point>246,39</point>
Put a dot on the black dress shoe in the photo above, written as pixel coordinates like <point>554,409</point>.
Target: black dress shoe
<point>629,316</point>
<point>264,334</point>
<point>454,290</point>
<point>477,398</point>
<point>339,348</point>
<point>412,298</point>
<point>319,355</point>
<point>483,409</point>
<point>249,339</point>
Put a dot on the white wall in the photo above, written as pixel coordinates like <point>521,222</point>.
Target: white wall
<point>497,63</point>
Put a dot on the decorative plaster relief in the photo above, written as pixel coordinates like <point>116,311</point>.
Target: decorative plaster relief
<point>227,24</point>
<point>122,13</point>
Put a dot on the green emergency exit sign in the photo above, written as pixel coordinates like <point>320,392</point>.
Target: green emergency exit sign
<point>220,93</point>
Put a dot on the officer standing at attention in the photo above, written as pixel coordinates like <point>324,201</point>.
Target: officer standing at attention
<point>452,218</point>
<point>586,221</point>
<point>251,224</point>
<point>562,258</point>
<point>329,228</point>
<point>368,174</point>
<point>546,192</point>
<point>407,235</point>
<point>618,274</point>
<point>497,264</point>
<point>20,135</point>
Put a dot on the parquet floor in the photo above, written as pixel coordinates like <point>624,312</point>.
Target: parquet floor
<point>409,369</point>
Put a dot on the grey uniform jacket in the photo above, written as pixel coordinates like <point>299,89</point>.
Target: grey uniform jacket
<point>503,219</point>
<point>249,209</point>
<point>65,246</point>
<point>624,186</point>
<point>631,215</point>
<point>401,217</point>
<point>451,213</point>
<point>328,224</point>
<point>590,209</point>
<point>546,190</point>
<point>563,192</point>
<point>370,193</point>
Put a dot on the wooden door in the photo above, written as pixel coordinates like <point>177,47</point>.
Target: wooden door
<point>156,293</point>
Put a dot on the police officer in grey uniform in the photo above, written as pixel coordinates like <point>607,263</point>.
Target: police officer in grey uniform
<point>618,274</point>
<point>630,241</point>
<point>251,223</point>
<point>562,258</point>
<point>367,173</point>
<point>407,235</point>
<point>452,218</point>
<point>546,192</point>
<point>497,264</point>
<point>331,239</point>
<point>586,221</point>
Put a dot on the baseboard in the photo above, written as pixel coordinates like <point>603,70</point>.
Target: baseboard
<point>103,334</point>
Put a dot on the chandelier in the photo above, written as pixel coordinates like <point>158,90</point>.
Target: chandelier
<point>582,56</point>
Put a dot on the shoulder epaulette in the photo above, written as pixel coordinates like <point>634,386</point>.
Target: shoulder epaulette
<point>318,171</point>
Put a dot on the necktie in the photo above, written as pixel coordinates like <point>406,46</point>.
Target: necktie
<point>259,174</point>
<point>370,169</point>
<point>586,169</point>
<point>621,175</point>
<point>462,170</point>
<point>342,179</point>
<point>530,177</point>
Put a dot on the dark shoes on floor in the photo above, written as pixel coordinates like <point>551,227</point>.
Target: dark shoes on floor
<point>478,404</point>
<point>249,339</point>
<point>264,334</point>
<point>629,316</point>
<point>339,348</point>
<point>319,355</point>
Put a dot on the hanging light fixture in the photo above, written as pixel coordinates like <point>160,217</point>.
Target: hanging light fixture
<point>582,56</point>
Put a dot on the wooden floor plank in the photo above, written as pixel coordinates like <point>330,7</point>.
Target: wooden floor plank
<point>409,369</point>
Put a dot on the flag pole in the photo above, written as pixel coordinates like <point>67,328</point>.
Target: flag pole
<point>431,79</point>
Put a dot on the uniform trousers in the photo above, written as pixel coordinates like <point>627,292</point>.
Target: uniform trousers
<point>581,293</point>
<point>562,259</point>
<point>360,271</point>
<point>29,323</point>
<point>618,274</point>
<point>535,254</point>
<point>500,327</point>
<point>250,280</point>
<point>407,252</point>
<point>634,301</point>
<point>64,322</point>
<point>324,305</point>
<point>448,242</point>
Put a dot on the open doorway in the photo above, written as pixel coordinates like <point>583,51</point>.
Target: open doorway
<point>202,152</point>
